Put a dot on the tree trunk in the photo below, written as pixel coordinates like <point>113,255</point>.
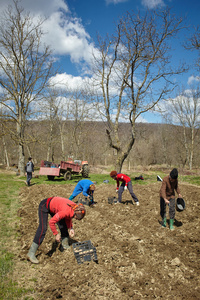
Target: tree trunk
<point>186,144</point>
<point>120,160</point>
<point>5,148</point>
<point>62,143</point>
<point>20,134</point>
<point>52,155</point>
<point>6,153</point>
<point>21,161</point>
<point>50,142</point>
<point>121,155</point>
<point>29,151</point>
<point>191,150</point>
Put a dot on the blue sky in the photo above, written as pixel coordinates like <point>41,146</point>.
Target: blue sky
<point>72,27</point>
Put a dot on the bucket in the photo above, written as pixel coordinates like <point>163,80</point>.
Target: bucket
<point>180,204</point>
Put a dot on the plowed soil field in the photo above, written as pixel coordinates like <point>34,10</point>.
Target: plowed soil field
<point>137,259</point>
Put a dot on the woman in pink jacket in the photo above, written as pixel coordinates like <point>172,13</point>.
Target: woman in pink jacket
<point>126,184</point>
<point>62,211</point>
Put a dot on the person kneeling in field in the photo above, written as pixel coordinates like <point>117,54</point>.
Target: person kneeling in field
<point>126,183</point>
<point>167,197</point>
<point>62,211</point>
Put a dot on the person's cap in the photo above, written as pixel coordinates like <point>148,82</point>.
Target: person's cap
<point>174,174</point>
<point>80,211</point>
<point>113,173</point>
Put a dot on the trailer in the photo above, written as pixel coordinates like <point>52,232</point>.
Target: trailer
<point>65,169</point>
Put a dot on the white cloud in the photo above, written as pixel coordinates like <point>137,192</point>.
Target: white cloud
<point>38,7</point>
<point>140,119</point>
<point>193,79</point>
<point>187,106</point>
<point>152,3</point>
<point>68,37</point>
<point>67,81</point>
<point>73,84</point>
<point>64,33</point>
<point>115,1</point>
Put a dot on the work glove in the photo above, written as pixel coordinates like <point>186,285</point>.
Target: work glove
<point>125,188</point>
<point>117,190</point>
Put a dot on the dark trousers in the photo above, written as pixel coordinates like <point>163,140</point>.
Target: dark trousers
<point>43,212</point>
<point>130,188</point>
<point>28,177</point>
<point>171,208</point>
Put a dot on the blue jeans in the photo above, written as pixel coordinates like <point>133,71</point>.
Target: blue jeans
<point>28,177</point>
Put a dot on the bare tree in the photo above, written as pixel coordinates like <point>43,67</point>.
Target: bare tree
<point>133,72</point>
<point>25,68</point>
<point>185,111</point>
<point>66,112</point>
<point>79,113</point>
<point>75,110</point>
<point>50,112</point>
<point>193,43</point>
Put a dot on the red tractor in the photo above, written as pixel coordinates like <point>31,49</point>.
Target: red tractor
<point>65,168</point>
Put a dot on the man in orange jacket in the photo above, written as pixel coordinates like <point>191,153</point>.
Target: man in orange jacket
<point>62,211</point>
<point>126,184</point>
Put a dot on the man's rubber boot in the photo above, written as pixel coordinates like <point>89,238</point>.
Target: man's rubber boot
<point>164,222</point>
<point>31,253</point>
<point>171,223</point>
<point>65,243</point>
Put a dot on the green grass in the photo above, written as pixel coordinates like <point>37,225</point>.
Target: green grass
<point>99,179</point>
<point>191,179</point>
<point>9,205</point>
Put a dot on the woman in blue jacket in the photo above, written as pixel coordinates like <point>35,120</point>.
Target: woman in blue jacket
<point>86,187</point>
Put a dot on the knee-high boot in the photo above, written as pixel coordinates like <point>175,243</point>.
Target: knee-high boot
<point>31,253</point>
<point>171,224</point>
<point>164,222</point>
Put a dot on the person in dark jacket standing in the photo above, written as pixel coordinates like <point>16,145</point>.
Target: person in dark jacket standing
<point>62,211</point>
<point>29,171</point>
<point>167,197</point>
<point>126,184</point>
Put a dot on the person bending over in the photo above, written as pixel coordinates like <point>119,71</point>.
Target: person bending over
<point>86,187</point>
<point>62,211</point>
<point>126,184</point>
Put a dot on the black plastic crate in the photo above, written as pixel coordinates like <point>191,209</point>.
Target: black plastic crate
<point>84,251</point>
<point>84,201</point>
<point>112,200</point>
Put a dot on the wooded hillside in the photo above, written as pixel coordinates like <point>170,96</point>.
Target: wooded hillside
<point>154,144</point>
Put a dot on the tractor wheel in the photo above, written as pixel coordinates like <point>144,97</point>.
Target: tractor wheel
<point>50,177</point>
<point>85,171</point>
<point>68,175</point>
